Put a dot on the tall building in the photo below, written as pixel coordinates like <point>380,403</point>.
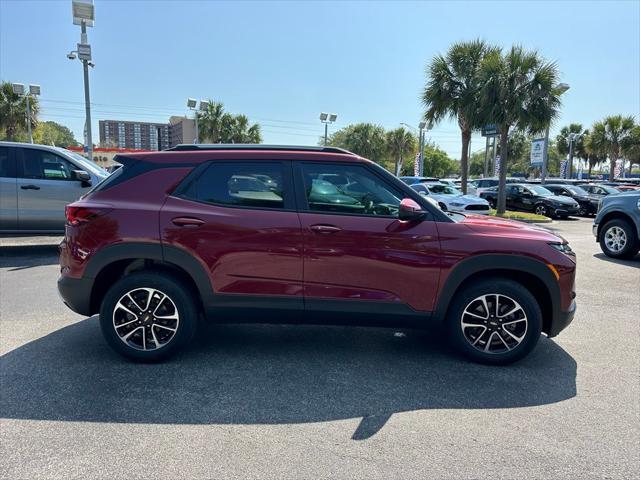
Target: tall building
<point>181,130</point>
<point>135,135</point>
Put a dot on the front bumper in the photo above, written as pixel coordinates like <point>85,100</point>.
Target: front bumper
<point>563,320</point>
<point>564,210</point>
<point>76,294</point>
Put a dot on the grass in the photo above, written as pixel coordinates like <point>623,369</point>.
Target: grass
<point>523,216</point>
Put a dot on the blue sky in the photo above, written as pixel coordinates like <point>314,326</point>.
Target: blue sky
<point>282,63</point>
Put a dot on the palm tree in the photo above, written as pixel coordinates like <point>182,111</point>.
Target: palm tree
<point>519,90</point>
<point>400,143</point>
<point>563,141</point>
<point>610,135</point>
<point>13,111</point>
<point>453,89</point>
<point>631,148</point>
<point>593,153</point>
<point>210,122</point>
<point>217,126</point>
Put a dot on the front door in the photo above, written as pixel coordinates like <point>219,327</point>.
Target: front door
<point>239,220</point>
<point>45,185</point>
<point>355,248</point>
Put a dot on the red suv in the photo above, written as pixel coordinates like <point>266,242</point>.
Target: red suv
<point>239,233</point>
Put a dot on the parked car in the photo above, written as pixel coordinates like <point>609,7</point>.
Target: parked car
<point>617,225</point>
<point>599,189</point>
<point>534,198</point>
<point>588,202</point>
<point>449,198</point>
<point>457,183</point>
<point>36,182</point>
<point>411,180</point>
<point>621,186</point>
<point>482,184</point>
<point>164,241</point>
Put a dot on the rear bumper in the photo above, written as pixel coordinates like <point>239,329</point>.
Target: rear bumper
<point>563,320</point>
<point>76,294</point>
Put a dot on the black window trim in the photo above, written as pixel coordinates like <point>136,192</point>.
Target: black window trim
<point>20,159</point>
<point>289,200</point>
<point>12,168</point>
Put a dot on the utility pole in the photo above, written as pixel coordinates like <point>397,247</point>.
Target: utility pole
<point>327,118</point>
<point>572,136</point>
<point>18,89</point>
<point>545,157</point>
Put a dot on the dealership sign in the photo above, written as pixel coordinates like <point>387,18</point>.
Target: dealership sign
<point>537,152</point>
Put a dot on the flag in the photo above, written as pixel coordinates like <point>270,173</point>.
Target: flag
<point>496,167</point>
<point>563,168</point>
<point>416,165</point>
<point>618,169</point>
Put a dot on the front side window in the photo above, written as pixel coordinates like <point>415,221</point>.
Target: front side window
<point>240,184</point>
<point>5,168</point>
<point>40,164</point>
<point>348,189</point>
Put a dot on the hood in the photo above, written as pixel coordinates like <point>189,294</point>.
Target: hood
<point>502,227</point>
<point>561,199</point>
<point>467,199</point>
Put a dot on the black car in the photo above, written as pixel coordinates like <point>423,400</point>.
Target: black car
<point>599,189</point>
<point>534,198</point>
<point>587,201</point>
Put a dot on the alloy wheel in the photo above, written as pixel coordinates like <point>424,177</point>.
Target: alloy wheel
<point>494,323</point>
<point>146,319</point>
<point>615,239</point>
<point>541,210</point>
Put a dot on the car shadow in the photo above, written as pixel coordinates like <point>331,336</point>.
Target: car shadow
<point>27,256</point>
<point>270,374</point>
<point>630,262</point>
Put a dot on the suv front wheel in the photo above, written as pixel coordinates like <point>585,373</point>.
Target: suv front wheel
<point>618,239</point>
<point>495,321</point>
<point>148,316</point>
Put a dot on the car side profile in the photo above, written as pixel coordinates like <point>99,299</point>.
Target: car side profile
<point>452,199</point>
<point>617,225</point>
<point>322,236</point>
<point>588,202</point>
<point>534,198</point>
<point>37,182</point>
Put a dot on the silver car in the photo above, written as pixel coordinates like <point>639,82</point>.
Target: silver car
<point>452,199</point>
<point>36,182</point>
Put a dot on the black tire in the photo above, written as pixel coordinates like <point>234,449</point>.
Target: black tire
<point>542,209</point>
<point>492,203</point>
<point>505,288</point>
<point>181,300</point>
<point>631,239</point>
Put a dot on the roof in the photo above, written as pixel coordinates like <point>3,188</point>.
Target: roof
<point>255,146</point>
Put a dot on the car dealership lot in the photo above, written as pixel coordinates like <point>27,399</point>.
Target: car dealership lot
<point>308,402</point>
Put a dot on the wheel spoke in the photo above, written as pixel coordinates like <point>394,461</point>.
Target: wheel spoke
<point>126,337</point>
<point>513,310</point>
<point>516,338</point>
<point>121,306</point>
<point>126,323</point>
<point>159,303</point>
<point>479,336</point>
<point>502,339</point>
<point>128,295</point>
<point>486,347</point>
<point>166,328</point>
<point>514,321</point>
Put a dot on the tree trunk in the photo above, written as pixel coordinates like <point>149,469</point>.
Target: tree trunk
<point>502,179</point>
<point>613,158</point>
<point>464,160</point>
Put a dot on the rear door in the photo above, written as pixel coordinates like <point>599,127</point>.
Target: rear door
<point>238,218</point>
<point>46,184</point>
<point>8,190</point>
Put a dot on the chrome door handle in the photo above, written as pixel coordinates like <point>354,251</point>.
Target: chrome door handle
<point>187,222</point>
<point>324,229</point>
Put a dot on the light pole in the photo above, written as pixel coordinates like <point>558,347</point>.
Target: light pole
<point>422,127</point>
<point>191,104</point>
<point>34,90</point>
<point>327,118</point>
<point>560,89</point>
<point>84,15</point>
<point>572,138</point>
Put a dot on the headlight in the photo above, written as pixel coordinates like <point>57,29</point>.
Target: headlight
<point>563,248</point>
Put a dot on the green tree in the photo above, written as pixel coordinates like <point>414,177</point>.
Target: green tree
<point>400,144</point>
<point>563,141</point>
<point>610,136</point>
<point>52,133</point>
<point>365,139</point>
<point>215,125</point>
<point>13,112</point>
<point>594,154</point>
<point>631,147</point>
<point>437,163</point>
<point>519,90</point>
<point>453,91</point>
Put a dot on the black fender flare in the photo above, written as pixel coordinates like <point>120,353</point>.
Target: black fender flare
<point>178,257</point>
<point>487,262</point>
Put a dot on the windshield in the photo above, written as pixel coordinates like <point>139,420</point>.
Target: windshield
<point>609,190</point>
<point>85,162</point>
<point>577,190</point>
<point>543,192</point>
<point>444,190</point>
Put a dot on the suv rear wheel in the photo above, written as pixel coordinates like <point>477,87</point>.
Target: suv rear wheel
<point>148,316</point>
<point>618,239</point>
<point>495,322</point>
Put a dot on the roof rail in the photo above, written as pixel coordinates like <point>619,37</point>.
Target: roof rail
<point>254,146</point>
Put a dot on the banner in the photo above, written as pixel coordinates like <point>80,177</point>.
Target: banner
<point>416,165</point>
<point>618,168</point>
<point>537,152</point>
<point>496,167</point>
<point>563,168</point>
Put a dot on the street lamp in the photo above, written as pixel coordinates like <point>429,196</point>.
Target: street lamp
<point>560,89</point>
<point>327,118</point>
<point>422,127</point>
<point>192,104</point>
<point>572,138</point>
<point>34,90</point>
<point>84,15</point>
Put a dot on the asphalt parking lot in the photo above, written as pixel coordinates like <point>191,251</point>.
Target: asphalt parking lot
<point>318,402</point>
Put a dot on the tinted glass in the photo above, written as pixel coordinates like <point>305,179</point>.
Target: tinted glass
<point>4,162</point>
<point>444,190</point>
<point>45,165</point>
<point>577,190</point>
<point>537,190</point>
<point>362,192</point>
<point>241,184</point>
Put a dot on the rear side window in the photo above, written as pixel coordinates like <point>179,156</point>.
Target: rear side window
<point>241,184</point>
<point>6,169</point>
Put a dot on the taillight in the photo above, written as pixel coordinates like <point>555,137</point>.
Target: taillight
<point>77,215</point>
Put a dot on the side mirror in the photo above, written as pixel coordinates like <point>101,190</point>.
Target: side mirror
<point>410,211</point>
<point>83,177</point>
